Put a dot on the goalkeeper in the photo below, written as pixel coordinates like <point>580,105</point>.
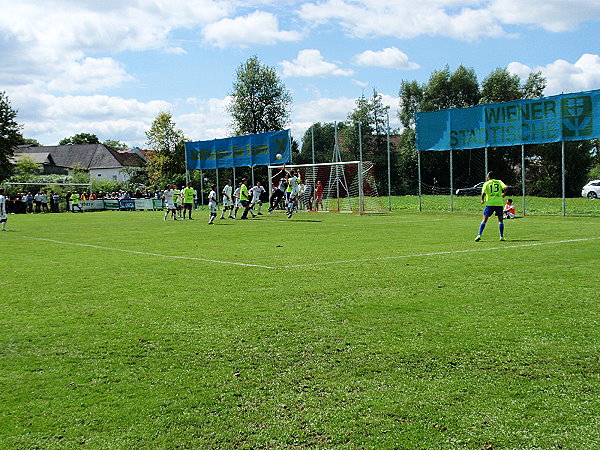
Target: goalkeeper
<point>279,192</point>
<point>492,194</point>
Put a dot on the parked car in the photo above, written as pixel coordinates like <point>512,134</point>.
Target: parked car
<point>591,190</point>
<point>476,190</point>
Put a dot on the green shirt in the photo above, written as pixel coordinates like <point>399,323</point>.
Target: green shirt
<point>75,199</point>
<point>188,195</point>
<point>244,192</point>
<point>493,190</point>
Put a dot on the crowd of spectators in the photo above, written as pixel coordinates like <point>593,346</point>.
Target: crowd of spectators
<point>45,201</point>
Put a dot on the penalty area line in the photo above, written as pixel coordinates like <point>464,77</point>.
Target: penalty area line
<point>452,252</point>
<point>160,255</point>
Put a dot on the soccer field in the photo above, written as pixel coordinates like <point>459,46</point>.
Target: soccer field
<point>121,330</point>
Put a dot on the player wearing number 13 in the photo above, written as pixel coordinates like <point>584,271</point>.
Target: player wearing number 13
<point>492,194</point>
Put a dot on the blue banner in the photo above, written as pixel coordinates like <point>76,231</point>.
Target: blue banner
<point>239,151</point>
<point>565,117</point>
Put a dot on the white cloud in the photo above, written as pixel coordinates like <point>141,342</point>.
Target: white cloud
<point>359,83</point>
<point>405,19</point>
<point>310,63</point>
<point>389,58</point>
<point>207,120</point>
<point>91,74</point>
<point>49,118</point>
<point>258,27</point>
<point>556,15</point>
<point>563,76</point>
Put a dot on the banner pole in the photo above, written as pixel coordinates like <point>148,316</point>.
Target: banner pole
<point>523,177</point>
<point>451,183</point>
<point>202,188</point>
<point>486,163</point>
<point>252,175</point>
<point>419,170</point>
<point>217,173</point>
<point>564,200</point>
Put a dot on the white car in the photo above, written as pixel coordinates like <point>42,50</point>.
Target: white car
<point>591,190</point>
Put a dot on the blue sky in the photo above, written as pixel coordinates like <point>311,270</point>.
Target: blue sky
<point>109,67</point>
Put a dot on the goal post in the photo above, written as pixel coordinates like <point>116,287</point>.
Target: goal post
<point>347,186</point>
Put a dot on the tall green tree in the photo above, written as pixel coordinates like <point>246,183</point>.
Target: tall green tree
<point>80,139</point>
<point>324,139</point>
<point>501,86</point>
<point>10,136</point>
<point>168,142</point>
<point>260,100</point>
<point>534,86</point>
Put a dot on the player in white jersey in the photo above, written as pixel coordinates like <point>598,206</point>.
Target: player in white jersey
<point>169,194</point>
<point>227,193</point>
<point>3,214</point>
<point>212,203</point>
<point>236,197</point>
<point>293,185</point>
<point>257,191</point>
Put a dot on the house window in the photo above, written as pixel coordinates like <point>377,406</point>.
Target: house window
<point>99,174</point>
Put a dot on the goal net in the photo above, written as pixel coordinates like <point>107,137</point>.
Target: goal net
<point>345,186</point>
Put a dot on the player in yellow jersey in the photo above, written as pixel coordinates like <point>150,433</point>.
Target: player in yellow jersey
<point>188,200</point>
<point>492,195</point>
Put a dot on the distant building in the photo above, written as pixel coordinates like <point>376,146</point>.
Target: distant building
<point>102,162</point>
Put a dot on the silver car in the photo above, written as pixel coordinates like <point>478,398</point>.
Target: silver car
<point>591,190</point>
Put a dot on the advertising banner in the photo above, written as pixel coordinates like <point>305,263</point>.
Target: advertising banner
<point>565,117</point>
<point>240,151</point>
<point>92,205</point>
<point>143,203</point>
<point>111,204</point>
<point>157,203</point>
<point>127,204</point>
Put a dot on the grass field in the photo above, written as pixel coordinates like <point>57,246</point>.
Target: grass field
<point>120,330</point>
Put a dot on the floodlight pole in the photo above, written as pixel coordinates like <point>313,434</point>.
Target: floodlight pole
<point>361,196</point>
<point>389,162</point>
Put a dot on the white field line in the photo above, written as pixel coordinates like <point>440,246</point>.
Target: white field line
<point>152,254</point>
<point>417,255</point>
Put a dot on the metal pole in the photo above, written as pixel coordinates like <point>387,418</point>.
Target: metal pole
<point>564,199</point>
<point>312,129</point>
<point>218,190</point>
<point>523,177</point>
<point>389,163</point>
<point>451,183</point>
<point>360,150</point>
<point>361,194</point>
<point>486,163</point>
<point>252,175</point>
<point>233,181</point>
<point>187,172</point>
<point>202,188</point>
<point>419,169</point>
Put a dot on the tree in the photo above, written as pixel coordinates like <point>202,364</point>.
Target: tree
<point>31,142</point>
<point>80,139</point>
<point>10,136</point>
<point>116,145</point>
<point>168,142</point>
<point>501,86</point>
<point>534,85</point>
<point>411,96</point>
<point>324,138</point>
<point>25,170</point>
<point>260,101</point>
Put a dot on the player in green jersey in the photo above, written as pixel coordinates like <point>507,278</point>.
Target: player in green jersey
<point>188,200</point>
<point>492,195</point>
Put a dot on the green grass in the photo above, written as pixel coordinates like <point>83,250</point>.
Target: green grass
<point>470,348</point>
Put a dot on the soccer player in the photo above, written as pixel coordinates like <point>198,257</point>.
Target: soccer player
<point>318,195</point>
<point>245,199</point>
<point>492,194</point>
<point>256,193</point>
<point>178,199</point>
<point>292,190</point>
<point>3,213</point>
<point>169,195</point>
<point>75,202</point>
<point>509,209</point>
<point>227,193</point>
<point>279,191</point>
<point>212,203</point>
<point>188,200</point>
<point>236,196</point>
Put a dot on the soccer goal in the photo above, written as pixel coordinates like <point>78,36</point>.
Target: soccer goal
<point>346,186</point>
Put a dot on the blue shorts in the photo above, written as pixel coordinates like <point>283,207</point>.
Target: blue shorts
<point>491,210</point>
<point>244,203</point>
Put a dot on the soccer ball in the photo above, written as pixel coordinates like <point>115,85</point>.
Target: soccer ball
<point>279,156</point>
